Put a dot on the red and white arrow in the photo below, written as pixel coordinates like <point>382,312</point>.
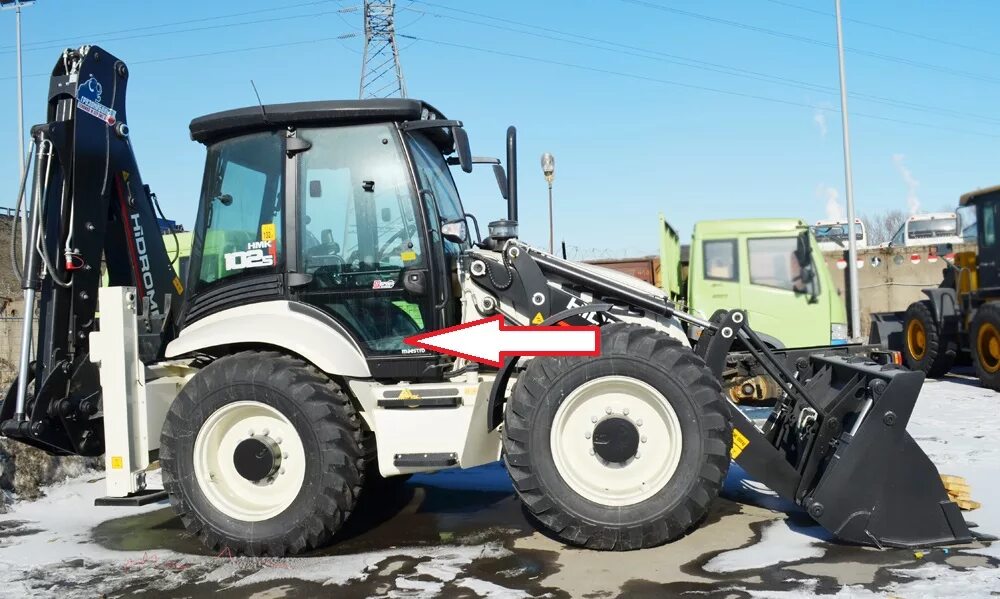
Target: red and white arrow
<point>490,341</point>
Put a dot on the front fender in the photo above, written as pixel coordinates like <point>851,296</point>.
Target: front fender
<point>296,327</point>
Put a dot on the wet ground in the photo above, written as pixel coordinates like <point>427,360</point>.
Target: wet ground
<point>464,534</point>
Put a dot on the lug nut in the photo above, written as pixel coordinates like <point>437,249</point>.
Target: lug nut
<point>284,456</point>
<point>625,411</point>
<point>638,422</point>
<point>637,455</point>
<point>250,432</point>
<point>278,440</point>
<point>266,432</point>
<point>282,471</point>
<point>643,439</point>
<point>591,452</point>
<point>586,435</point>
<point>607,410</point>
<point>593,419</point>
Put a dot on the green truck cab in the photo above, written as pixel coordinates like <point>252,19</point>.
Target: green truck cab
<point>770,267</point>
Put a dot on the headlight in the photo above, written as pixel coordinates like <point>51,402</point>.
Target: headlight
<point>838,333</point>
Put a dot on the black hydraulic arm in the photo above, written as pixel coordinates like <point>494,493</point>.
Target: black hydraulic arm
<point>88,210</point>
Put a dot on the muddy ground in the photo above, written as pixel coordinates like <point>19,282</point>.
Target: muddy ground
<point>464,534</point>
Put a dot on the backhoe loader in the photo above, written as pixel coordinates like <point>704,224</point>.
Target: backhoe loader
<point>274,383</point>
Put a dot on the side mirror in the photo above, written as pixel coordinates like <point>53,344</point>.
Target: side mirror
<point>455,231</point>
<point>224,199</point>
<point>461,140</point>
<point>501,176</point>
<point>803,249</point>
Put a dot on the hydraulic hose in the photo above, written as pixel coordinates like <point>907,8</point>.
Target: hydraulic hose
<point>17,212</point>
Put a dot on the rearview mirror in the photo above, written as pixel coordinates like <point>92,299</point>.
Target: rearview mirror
<point>501,176</point>
<point>803,249</point>
<point>455,231</point>
<point>461,140</point>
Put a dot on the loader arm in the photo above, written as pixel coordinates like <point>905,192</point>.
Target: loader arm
<point>87,209</point>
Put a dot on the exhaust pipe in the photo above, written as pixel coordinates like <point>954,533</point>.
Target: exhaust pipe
<point>512,173</point>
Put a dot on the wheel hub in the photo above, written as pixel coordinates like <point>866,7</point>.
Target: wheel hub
<point>257,458</point>
<point>616,440</point>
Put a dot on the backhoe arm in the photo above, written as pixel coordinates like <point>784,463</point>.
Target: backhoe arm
<point>87,205</point>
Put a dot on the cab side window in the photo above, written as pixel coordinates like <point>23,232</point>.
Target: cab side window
<point>720,260</point>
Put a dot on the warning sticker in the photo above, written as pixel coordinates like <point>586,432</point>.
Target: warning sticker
<point>538,319</point>
<point>117,463</point>
<point>408,256</point>
<point>740,443</point>
<point>178,286</point>
<point>268,232</point>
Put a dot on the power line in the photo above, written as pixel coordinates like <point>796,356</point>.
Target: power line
<point>643,52</point>
<point>188,30</point>
<point>342,36</point>
<point>173,23</point>
<point>816,42</point>
<point>704,88</point>
<point>914,34</point>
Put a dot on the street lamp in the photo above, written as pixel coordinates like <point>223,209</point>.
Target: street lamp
<point>549,170</point>
<point>16,5</point>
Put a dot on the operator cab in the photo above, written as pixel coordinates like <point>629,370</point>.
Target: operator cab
<point>338,207</point>
<point>986,203</point>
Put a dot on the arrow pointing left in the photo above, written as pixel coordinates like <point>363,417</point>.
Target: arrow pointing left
<point>490,341</point>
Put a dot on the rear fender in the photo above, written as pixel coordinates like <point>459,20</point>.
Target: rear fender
<point>945,302</point>
<point>290,326</point>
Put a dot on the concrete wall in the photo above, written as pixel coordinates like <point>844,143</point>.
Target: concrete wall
<point>889,279</point>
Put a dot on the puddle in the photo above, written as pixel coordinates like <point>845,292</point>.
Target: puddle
<point>449,507</point>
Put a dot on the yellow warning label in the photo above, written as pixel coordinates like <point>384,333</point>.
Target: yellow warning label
<point>268,232</point>
<point>117,463</point>
<point>740,443</point>
<point>408,256</point>
<point>178,286</point>
<point>125,176</point>
<point>538,319</point>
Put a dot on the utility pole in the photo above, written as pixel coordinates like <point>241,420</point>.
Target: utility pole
<point>16,5</point>
<point>852,244</point>
<point>381,74</point>
<point>549,170</point>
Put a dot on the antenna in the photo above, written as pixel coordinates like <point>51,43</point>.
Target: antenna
<point>263,112</point>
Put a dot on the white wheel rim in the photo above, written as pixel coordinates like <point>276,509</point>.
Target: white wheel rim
<point>616,483</point>
<point>216,473</point>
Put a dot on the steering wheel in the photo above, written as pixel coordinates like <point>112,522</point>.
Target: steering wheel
<point>385,246</point>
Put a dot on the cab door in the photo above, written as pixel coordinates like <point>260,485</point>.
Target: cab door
<point>714,282</point>
<point>782,291</point>
<point>363,246</point>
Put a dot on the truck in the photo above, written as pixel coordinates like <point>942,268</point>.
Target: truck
<point>832,234</point>
<point>282,379</point>
<point>928,228</point>
<point>771,267</point>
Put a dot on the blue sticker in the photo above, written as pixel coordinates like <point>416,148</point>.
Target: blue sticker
<point>88,99</point>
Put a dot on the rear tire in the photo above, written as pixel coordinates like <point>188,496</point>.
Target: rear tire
<point>984,343</point>
<point>261,455</point>
<point>619,452</point>
<point>925,348</point>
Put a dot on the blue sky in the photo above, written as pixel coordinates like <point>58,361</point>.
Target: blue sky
<point>699,110</point>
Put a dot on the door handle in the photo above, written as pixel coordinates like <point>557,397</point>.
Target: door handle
<point>415,281</point>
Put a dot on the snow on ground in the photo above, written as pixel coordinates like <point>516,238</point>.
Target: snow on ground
<point>46,546</point>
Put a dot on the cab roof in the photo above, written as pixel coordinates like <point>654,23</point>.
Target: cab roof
<point>327,113</point>
<point>974,196</point>
<point>741,226</point>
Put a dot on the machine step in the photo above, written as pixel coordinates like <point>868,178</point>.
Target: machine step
<point>135,499</point>
<point>424,402</point>
<point>425,460</point>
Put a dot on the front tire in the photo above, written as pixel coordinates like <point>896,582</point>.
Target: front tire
<point>619,452</point>
<point>925,347</point>
<point>261,455</point>
<point>984,341</point>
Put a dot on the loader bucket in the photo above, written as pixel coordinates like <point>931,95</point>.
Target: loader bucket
<point>850,461</point>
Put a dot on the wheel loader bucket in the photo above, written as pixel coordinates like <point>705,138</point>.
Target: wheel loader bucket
<point>847,459</point>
